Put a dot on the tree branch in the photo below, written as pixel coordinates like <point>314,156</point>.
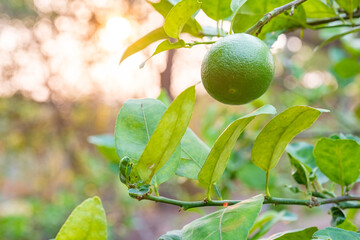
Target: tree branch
<point>313,202</point>
<point>333,19</point>
<point>270,15</point>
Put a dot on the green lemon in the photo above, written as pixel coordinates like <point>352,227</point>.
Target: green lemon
<point>237,69</point>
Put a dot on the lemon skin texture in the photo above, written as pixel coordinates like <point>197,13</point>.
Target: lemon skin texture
<point>237,69</point>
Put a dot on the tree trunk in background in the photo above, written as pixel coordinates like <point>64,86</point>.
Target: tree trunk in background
<point>165,76</point>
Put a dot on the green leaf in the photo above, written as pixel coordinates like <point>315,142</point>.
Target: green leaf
<point>318,9</point>
<point>164,46</point>
<point>216,162</point>
<point>345,136</point>
<point>135,125</point>
<point>191,26</point>
<point>217,9</point>
<point>106,146</point>
<point>293,189</point>
<point>233,222</point>
<point>193,155</point>
<point>87,221</point>
<point>171,235</point>
<point>164,97</point>
<point>348,67</point>
<point>267,220</point>
<point>236,4</point>
<point>253,10</point>
<point>347,225</point>
<point>139,190</point>
<point>125,168</point>
<point>163,6</point>
<point>178,16</point>
<point>167,135</point>
<point>300,234</point>
<point>143,42</point>
<point>338,159</point>
<point>272,140</point>
<point>301,173</point>
<point>336,234</point>
<point>338,216</point>
<point>349,5</point>
<point>336,37</point>
<point>303,152</point>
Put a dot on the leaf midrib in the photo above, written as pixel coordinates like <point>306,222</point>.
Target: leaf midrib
<point>340,165</point>
<point>236,128</point>
<point>191,157</point>
<point>277,142</point>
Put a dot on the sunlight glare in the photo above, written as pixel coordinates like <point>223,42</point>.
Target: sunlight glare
<point>117,30</point>
<point>279,44</point>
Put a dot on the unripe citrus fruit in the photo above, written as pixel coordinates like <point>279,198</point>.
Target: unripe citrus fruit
<point>237,69</point>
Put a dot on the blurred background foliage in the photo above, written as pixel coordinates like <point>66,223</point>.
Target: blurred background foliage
<point>61,83</point>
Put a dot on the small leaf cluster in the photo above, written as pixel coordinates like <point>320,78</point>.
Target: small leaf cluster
<point>265,18</point>
<point>155,143</point>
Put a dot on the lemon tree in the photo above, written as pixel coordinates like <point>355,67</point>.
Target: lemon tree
<point>237,69</point>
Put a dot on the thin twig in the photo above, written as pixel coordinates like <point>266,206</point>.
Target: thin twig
<point>270,15</point>
<point>333,19</point>
<point>197,43</point>
<point>313,202</point>
<point>336,26</point>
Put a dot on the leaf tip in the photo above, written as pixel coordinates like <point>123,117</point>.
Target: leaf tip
<point>142,65</point>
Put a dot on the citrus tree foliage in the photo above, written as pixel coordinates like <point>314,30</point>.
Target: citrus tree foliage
<point>153,142</point>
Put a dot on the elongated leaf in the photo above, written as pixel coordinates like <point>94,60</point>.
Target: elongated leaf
<point>233,222</point>
<point>301,173</point>
<point>318,9</point>
<point>267,220</point>
<point>172,235</point>
<point>143,42</point>
<point>163,6</point>
<point>347,68</point>
<point>217,9</point>
<point>338,159</point>
<point>178,16</point>
<point>347,225</point>
<point>215,163</point>
<point>338,216</point>
<point>300,234</point>
<point>336,234</point>
<point>106,146</point>
<point>349,5</point>
<point>303,152</point>
<point>253,10</point>
<point>336,37</point>
<point>167,135</point>
<point>193,155</point>
<point>272,140</point>
<point>191,26</point>
<point>135,125</point>
<point>164,46</point>
<point>164,97</point>
<point>87,221</point>
<point>236,4</point>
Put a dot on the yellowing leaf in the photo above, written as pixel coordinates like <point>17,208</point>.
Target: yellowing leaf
<point>87,221</point>
<point>215,163</point>
<point>179,15</point>
<point>167,135</point>
<point>232,222</point>
<point>272,140</point>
